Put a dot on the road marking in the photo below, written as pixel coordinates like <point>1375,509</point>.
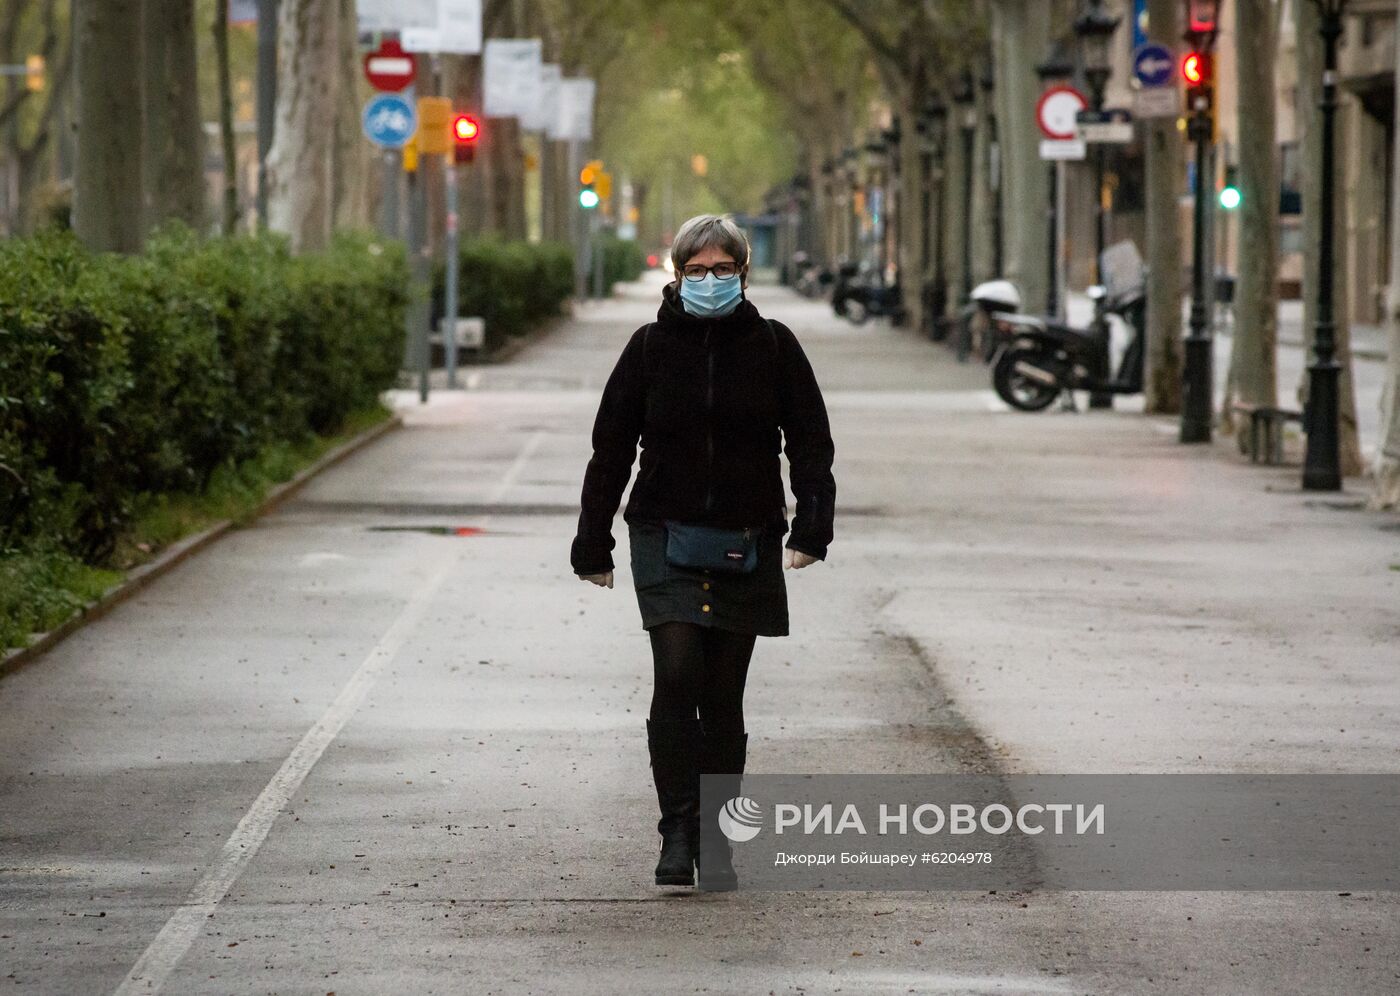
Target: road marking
<point>514,471</point>
<point>169,946</point>
<point>165,952</point>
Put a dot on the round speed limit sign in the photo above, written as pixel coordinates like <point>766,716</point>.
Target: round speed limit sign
<point>1056,112</point>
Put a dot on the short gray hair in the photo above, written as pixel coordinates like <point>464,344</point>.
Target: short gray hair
<point>704,231</point>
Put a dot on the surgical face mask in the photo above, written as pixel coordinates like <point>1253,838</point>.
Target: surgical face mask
<point>711,297</point>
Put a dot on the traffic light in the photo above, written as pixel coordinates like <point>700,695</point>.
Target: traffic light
<point>1202,17</point>
<point>588,179</point>
<point>1198,70</point>
<point>1230,195</point>
<point>465,132</point>
<point>34,73</point>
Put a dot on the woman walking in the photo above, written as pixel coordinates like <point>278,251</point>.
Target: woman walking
<point>715,393</point>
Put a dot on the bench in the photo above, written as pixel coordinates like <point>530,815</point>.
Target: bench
<point>1265,439</point>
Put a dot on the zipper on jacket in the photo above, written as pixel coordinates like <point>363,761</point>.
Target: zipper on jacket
<point>709,420</point>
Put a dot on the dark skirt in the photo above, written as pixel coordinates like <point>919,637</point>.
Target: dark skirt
<point>753,603</point>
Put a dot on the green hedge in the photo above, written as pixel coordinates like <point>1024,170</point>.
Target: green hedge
<point>623,260</point>
<point>512,285</point>
<point>125,377</point>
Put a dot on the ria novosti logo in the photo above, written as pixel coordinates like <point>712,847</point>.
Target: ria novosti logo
<point>741,819</point>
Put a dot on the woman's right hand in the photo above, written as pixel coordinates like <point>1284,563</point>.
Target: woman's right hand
<point>604,580</point>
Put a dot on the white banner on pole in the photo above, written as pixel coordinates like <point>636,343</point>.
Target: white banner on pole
<point>575,120</point>
<point>510,75</point>
<point>395,15</point>
<point>544,116</point>
<point>454,27</point>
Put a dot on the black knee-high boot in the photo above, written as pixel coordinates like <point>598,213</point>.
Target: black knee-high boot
<point>675,755</point>
<point>722,761</point>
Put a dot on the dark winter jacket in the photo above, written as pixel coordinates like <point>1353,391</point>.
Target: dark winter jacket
<point>716,401</point>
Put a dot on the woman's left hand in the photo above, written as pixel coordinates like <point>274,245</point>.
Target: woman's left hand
<point>796,558</point>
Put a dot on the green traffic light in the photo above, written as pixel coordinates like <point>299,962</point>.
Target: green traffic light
<point>1230,198</point>
<point>588,199</point>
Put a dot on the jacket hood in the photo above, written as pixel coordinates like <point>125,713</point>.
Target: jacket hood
<point>672,312</point>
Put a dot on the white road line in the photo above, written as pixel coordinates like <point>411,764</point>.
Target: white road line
<point>169,946</point>
<point>164,953</point>
<point>513,473</point>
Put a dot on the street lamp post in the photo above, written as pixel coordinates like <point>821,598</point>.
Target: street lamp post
<point>1095,28</point>
<point>1056,68</point>
<point>1322,469</point>
<point>935,119</point>
<point>1197,377</point>
<point>894,205</point>
<point>988,83</point>
<point>965,97</point>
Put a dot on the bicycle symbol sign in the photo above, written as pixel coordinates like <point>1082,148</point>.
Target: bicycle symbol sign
<point>389,121</point>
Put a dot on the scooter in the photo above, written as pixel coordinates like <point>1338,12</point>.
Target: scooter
<point>857,300</point>
<point>811,281</point>
<point>978,329</point>
<point>1039,359</point>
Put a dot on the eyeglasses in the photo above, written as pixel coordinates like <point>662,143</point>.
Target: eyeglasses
<point>722,271</point>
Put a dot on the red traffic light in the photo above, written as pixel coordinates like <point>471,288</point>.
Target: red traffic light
<point>465,128</point>
<point>465,132</point>
<point>1195,68</point>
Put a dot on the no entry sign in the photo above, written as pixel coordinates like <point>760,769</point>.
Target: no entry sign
<point>1056,111</point>
<point>389,68</point>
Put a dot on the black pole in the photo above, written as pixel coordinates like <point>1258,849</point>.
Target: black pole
<point>1052,296</point>
<point>940,264</point>
<point>1098,79</point>
<point>968,134</point>
<point>1322,463</point>
<point>998,174</point>
<point>1197,379</point>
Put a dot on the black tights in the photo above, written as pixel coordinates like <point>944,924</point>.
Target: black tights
<point>700,668</point>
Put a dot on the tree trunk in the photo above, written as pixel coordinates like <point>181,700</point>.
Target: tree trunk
<point>172,154</point>
<point>107,212</point>
<point>1166,178</point>
<point>1310,65</point>
<point>1387,485</point>
<point>354,157</point>
<point>1253,357</point>
<point>1021,30</point>
<point>302,158</point>
<point>228,201</point>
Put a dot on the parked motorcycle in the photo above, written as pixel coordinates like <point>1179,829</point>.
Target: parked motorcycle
<point>857,298</point>
<point>978,329</point>
<point>1040,359</point>
<point>811,280</point>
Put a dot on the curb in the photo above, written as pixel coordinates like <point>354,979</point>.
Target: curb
<point>1360,352</point>
<point>177,552</point>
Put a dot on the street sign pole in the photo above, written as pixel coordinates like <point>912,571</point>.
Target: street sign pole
<point>452,264</point>
<point>1056,114</point>
<point>389,203</point>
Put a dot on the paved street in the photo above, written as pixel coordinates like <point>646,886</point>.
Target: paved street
<point>350,750</point>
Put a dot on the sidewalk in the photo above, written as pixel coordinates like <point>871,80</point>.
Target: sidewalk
<point>1006,593</point>
<point>1369,351</point>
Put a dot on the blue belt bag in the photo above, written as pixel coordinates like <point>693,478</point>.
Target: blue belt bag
<point>711,547</point>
